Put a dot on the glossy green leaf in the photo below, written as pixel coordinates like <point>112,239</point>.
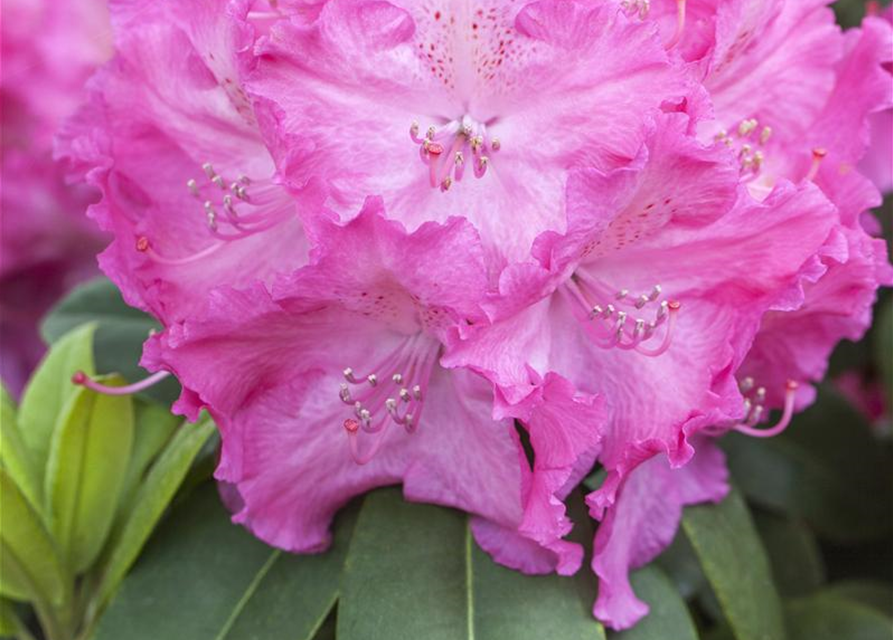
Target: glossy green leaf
<point>827,617</point>
<point>414,571</point>
<point>794,554</point>
<point>152,497</point>
<point>87,465</point>
<point>827,468</point>
<point>30,568</point>
<point>15,456</point>
<point>871,593</point>
<point>154,427</point>
<point>668,616</point>
<point>50,389</point>
<point>203,578</point>
<point>681,565</point>
<point>121,332</point>
<point>735,563</point>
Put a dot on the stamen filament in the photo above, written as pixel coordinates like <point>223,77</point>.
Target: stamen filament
<point>82,379</point>
<point>680,24</point>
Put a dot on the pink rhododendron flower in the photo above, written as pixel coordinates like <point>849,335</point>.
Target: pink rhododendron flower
<point>357,337</point>
<point>387,239</point>
<point>46,246</point>
<point>172,143</point>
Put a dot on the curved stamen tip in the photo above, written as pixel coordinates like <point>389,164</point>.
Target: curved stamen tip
<point>82,379</point>
<point>673,307</point>
<point>790,395</point>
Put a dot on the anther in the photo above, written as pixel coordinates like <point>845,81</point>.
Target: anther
<point>404,394</point>
<point>620,295</point>
<point>672,310</point>
<point>209,170</point>
<point>446,184</point>
<point>765,134</point>
<point>345,394</point>
<point>397,378</point>
<point>417,392</point>
<point>496,145</point>
<point>219,182</point>
<point>372,379</point>
<point>192,185</point>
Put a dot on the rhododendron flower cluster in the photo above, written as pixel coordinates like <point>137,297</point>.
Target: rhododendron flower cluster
<point>46,243</point>
<point>477,248</point>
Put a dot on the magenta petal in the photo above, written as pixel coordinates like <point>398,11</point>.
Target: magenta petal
<point>643,522</point>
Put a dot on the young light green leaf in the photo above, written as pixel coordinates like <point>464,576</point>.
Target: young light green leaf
<point>86,468</point>
<point>154,425</point>
<point>203,578</point>
<point>735,563</point>
<point>668,616</point>
<point>50,389</point>
<point>15,457</point>
<point>30,568</point>
<point>152,497</point>
<point>827,617</point>
<point>414,571</point>
<point>120,334</point>
<point>8,619</point>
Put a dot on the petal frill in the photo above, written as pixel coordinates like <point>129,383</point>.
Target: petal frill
<point>643,522</point>
<point>564,430</point>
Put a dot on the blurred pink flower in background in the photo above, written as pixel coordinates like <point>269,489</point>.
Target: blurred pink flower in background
<point>46,243</point>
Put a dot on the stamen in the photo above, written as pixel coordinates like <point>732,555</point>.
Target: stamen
<point>82,379</point>
<point>616,327</point>
<point>818,154</point>
<point>680,24</point>
<point>754,413</point>
<point>411,362</point>
<point>449,150</point>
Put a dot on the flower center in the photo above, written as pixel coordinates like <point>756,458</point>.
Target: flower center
<point>747,141</point>
<point>610,318</point>
<point>393,392</point>
<point>233,209</point>
<point>448,150</point>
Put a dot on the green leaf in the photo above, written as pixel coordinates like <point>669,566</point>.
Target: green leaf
<point>414,571</point>
<point>794,554</point>
<point>153,495</point>
<point>50,389</point>
<point>668,616</point>
<point>735,563</point>
<point>29,564</point>
<point>120,335</point>
<point>827,617</point>
<point>8,623</point>
<point>203,578</point>
<point>872,593</point>
<point>154,426</point>
<point>883,350</point>
<point>827,468</point>
<point>87,465</point>
<point>15,456</point>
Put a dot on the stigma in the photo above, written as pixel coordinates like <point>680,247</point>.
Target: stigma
<point>449,150</point>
